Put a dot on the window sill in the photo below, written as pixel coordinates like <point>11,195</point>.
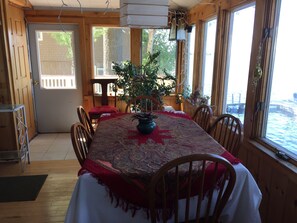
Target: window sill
<point>289,165</point>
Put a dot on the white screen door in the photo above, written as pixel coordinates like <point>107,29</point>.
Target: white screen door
<point>56,76</point>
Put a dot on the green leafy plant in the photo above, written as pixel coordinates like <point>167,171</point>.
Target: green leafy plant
<point>143,80</point>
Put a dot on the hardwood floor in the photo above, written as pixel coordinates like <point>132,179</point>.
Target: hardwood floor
<point>53,199</point>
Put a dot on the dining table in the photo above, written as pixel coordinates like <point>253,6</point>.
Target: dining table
<point>112,183</point>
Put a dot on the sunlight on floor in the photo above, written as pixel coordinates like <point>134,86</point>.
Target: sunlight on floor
<point>54,146</point>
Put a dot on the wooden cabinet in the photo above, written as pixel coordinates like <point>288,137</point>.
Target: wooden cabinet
<point>14,143</point>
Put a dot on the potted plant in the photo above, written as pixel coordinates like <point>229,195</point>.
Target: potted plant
<point>144,79</point>
<point>146,122</point>
<point>197,98</point>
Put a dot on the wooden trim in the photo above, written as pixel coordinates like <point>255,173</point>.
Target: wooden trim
<point>71,13</point>
<point>21,3</point>
<point>5,96</point>
<point>257,93</point>
<point>197,69</point>
<point>135,46</point>
<point>221,47</point>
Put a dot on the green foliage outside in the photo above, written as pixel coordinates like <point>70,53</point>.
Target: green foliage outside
<point>160,43</point>
<point>144,79</point>
<point>98,32</point>
<point>64,39</point>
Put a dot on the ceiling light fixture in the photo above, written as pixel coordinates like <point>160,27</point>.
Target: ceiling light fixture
<point>144,13</point>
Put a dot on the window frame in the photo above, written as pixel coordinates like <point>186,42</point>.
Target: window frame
<point>263,88</point>
<point>203,48</point>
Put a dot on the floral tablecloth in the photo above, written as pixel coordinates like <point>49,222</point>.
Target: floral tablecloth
<point>124,160</point>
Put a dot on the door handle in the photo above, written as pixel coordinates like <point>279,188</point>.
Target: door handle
<point>35,83</point>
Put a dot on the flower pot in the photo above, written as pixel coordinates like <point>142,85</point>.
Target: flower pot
<point>146,126</point>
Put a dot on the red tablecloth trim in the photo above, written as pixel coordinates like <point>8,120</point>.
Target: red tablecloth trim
<point>130,194</point>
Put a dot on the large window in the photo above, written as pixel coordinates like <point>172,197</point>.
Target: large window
<point>237,68</point>
<point>208,56</point>
<point>109,45</point>
<point>190,59</point>
<point>280,125</point>
<point>154,40</point>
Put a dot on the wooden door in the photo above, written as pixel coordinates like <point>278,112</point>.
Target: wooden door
<point>19,62</point>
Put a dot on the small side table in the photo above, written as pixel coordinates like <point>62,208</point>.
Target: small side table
<point>14,143</point>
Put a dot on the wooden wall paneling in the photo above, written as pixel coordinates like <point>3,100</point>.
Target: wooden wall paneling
<point>205,8</point>
<point>19,62</point>
<point>290,212</point>
<point>276,208</point>
<point>277,183</point>
<point>264,181</point>
<point>202,11</point>
<point>253,164</point>
<point>5,84</point>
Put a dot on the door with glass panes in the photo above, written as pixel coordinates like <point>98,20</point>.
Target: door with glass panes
<point>56,76</point>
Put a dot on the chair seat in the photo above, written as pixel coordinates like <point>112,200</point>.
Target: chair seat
<point>99,110</point>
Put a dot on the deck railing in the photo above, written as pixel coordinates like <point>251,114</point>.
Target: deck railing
<point>58,81</point>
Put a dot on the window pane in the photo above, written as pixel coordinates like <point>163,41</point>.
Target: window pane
<point>109,45</point>
<point>154,40</point>
<point>208,56</point>
<point>56,60</point>
<point>239,52</point>
<point>281,125</point>
<point>190,64</point>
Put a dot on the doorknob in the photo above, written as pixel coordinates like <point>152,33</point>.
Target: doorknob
<point>35,83</point>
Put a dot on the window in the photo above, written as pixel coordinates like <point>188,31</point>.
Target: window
<point>109,45</point>
<point>154,40</point>
<point>208,56</point>
<point>280,126</point>
<point>239,52</point>
<point>56,59</point>
<point>190,59</point>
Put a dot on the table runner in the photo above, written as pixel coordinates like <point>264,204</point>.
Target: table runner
<point>125,160</point>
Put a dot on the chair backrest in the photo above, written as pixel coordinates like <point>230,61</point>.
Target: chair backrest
<point>206,175</point>
<point>81,140</point>
<point>85,120</point>
<point>227,130</point>
<point>104,84</point>
<point>143,104</point>
<point>202,116</point>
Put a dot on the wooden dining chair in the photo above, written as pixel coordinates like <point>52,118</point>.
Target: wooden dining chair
<point>97,110</point>
<point>202,116</point>
<point>186,177</point>
<point>81,140</point>
<point>227,130</point>
<point>143,104</point>
<point>85,119</point>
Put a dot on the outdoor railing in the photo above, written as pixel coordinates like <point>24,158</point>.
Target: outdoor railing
<point>58,81</point>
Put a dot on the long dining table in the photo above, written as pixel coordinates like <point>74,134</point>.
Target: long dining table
<point>121,161</point>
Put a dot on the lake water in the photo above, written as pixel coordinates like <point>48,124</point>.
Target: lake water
<point>282,127</point>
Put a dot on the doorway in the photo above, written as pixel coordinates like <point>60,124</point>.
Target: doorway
<point>56,76</point>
